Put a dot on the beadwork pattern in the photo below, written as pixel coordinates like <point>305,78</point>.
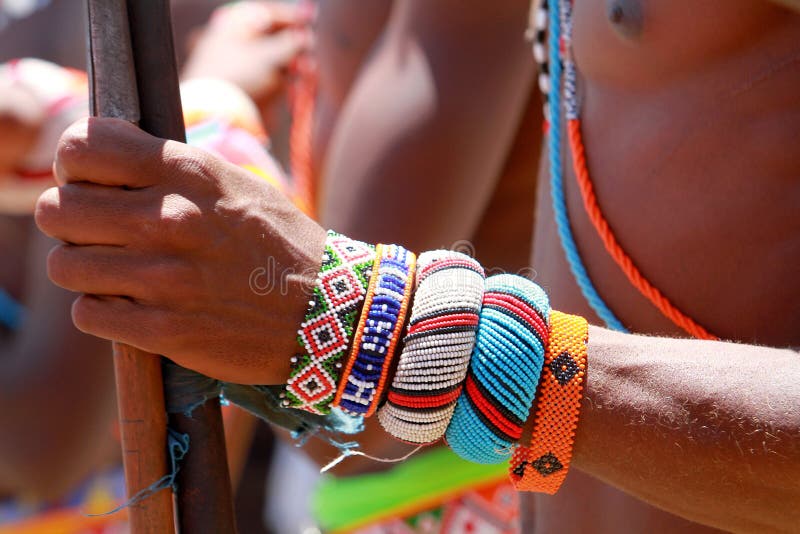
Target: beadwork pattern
<point>537,34</point>
<point>503,372</point>
<point>542,465</point>
<point>325,334</point>
<point>382,319</point>
<point>437,347</point>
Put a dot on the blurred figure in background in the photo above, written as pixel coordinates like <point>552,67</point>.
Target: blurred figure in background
<point>56,405</point>
<point>58,456</point>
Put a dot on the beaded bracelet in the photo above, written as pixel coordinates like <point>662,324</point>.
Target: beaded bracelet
<point>504,370</point>
<point>378,331</point>
<point>441,336</point>
<point>325,334</point>
<point>543,464</point>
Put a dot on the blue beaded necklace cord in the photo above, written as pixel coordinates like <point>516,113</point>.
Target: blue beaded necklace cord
<point>557,173</point>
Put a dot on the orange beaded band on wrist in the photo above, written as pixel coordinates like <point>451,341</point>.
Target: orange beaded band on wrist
<point>542,466</point>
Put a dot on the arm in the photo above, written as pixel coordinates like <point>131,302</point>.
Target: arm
<point>706,430</point>
<point>56,391</point>
<point>434,110</point>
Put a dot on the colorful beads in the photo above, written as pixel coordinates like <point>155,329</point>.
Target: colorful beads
<point>437,348</point>
<point>378,331</point>
<point>325,334</point>
<point>543,464</point>
<point>504,370</point>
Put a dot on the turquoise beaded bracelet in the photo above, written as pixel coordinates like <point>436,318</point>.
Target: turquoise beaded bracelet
<point>504,370</point>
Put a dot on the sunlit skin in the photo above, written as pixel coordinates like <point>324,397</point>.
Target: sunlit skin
<point>702,120</point>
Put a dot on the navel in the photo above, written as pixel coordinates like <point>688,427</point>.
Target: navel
<point>626,17</point>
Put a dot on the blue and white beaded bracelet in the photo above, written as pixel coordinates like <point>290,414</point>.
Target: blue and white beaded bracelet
<point>378,332</point>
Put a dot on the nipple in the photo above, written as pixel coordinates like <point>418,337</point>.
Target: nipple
<point>625,17</point>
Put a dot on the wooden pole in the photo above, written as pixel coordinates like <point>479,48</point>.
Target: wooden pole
<point>134,77</point>
<point>140,389</point>
<point>204,497</point>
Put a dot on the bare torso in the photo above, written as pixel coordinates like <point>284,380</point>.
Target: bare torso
<point>703,99</point>
<point>699,182</point>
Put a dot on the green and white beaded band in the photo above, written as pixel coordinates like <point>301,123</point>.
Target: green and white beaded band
<point>327,331</point>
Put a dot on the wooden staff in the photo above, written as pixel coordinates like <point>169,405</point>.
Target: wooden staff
<point>140,390</point>
<point>134,77</point>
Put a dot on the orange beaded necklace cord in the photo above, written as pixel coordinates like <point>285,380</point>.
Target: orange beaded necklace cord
<point>567,82</point>
<point>542,465</point>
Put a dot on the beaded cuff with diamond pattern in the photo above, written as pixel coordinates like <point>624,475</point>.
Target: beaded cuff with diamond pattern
<point>327,331</point>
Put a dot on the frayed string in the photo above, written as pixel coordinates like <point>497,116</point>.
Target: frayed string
<point>177,446</point>
<point>347,452</point>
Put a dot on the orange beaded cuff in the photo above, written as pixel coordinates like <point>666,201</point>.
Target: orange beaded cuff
<point>542,466</point>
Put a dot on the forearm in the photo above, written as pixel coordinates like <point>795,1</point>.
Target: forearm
<point>706,430</point>
<point>421,141</point>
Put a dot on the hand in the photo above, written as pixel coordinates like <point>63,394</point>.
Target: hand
<point>252,45</point>
<point>163,240</point>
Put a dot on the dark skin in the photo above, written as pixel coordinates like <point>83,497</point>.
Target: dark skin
<point>410,94</point>
<point>624,37</point>
<point>49,371</point>
<point>46,379</point>
<point>713,145</point>
<point>665,420</point>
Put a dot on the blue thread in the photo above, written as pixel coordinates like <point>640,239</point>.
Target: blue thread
<point>11,312</point>
<point>557,177</point>
<point>177,447</point>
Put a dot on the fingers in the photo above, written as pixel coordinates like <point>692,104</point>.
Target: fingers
<point>89,214</point>
<point>116,271</point>
<point>261,17</point>
<point>122,320</point>
<point>110,152</point>
<point>279,16</point>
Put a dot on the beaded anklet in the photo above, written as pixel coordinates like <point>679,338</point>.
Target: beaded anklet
<point>378,332</point>
<point>437,349</point>
<point>543,464</point>
<point>325,334</point>
<point>504,370</point>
